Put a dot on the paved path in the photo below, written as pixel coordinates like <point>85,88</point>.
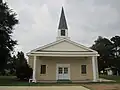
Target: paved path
<point>43,88</point>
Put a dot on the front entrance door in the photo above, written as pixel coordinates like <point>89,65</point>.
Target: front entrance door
<point>63,71</point>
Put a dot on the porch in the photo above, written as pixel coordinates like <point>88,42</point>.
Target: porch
<point>74,72</point>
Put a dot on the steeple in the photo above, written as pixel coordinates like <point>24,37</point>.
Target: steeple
<point>62,23</point>
<point>62,28</point>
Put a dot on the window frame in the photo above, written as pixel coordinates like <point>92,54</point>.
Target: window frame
<point>43,72</point>
<point>84,69</point>
<point>61,33</point>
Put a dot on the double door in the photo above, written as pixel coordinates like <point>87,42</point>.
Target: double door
<point>63,72</point>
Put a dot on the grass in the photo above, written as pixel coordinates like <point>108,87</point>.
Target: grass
<point>12,81</point>
<point>116,78</point>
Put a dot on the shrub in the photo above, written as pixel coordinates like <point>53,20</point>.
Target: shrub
<point>24,72</point>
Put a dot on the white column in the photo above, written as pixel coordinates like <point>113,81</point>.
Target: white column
<point>34,70</point>
<point>94,69</point>
<point>97,68</point>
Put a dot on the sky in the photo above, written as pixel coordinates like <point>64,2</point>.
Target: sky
<point>86,20</point>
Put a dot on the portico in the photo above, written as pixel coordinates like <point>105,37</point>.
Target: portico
<point>94,67</point>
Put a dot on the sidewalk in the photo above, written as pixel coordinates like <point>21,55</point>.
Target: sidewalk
<point>43,88</point>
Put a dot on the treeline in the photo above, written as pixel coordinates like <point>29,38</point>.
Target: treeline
<point>109,51</point>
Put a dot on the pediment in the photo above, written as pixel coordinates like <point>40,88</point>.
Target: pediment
<point>64,45</point>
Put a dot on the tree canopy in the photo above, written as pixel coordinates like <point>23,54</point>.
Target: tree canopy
<point>109,50</point>
<point>7,22</point>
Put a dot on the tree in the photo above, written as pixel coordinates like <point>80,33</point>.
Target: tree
<point>11,66</point>
<point>7,22</point>
<point>23,70</point>
<point>21,60</point>
<point>116,43</point>
<point>104,47</point>
<point>109,51</point>
<point>116,51</point>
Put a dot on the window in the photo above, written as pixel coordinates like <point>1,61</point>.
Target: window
<point>83,69</point>
<point>43,69</point>
<point>65,70</point>
<point>62,32</point>
<point>60,69</point>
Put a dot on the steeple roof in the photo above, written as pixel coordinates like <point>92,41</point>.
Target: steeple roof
<point>62,23</point>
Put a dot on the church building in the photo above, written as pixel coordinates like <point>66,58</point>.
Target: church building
<point>63,59</point>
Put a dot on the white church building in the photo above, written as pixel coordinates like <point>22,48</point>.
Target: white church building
<point>63,59</point>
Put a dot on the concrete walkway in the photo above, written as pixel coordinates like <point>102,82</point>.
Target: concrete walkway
<point>43,88</point>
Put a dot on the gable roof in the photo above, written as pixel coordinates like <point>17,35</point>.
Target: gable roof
<point>46,47</point>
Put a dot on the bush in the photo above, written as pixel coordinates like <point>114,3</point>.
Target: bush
<point>24,72</point>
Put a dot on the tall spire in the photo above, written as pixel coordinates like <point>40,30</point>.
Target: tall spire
<point>62,28</point>
<point>62,23</point>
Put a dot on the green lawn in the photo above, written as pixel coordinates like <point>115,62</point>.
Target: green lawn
<point>116,78</point>
<point>12,81</point>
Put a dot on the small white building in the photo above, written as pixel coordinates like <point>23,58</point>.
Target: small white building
<point>109,71</point>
